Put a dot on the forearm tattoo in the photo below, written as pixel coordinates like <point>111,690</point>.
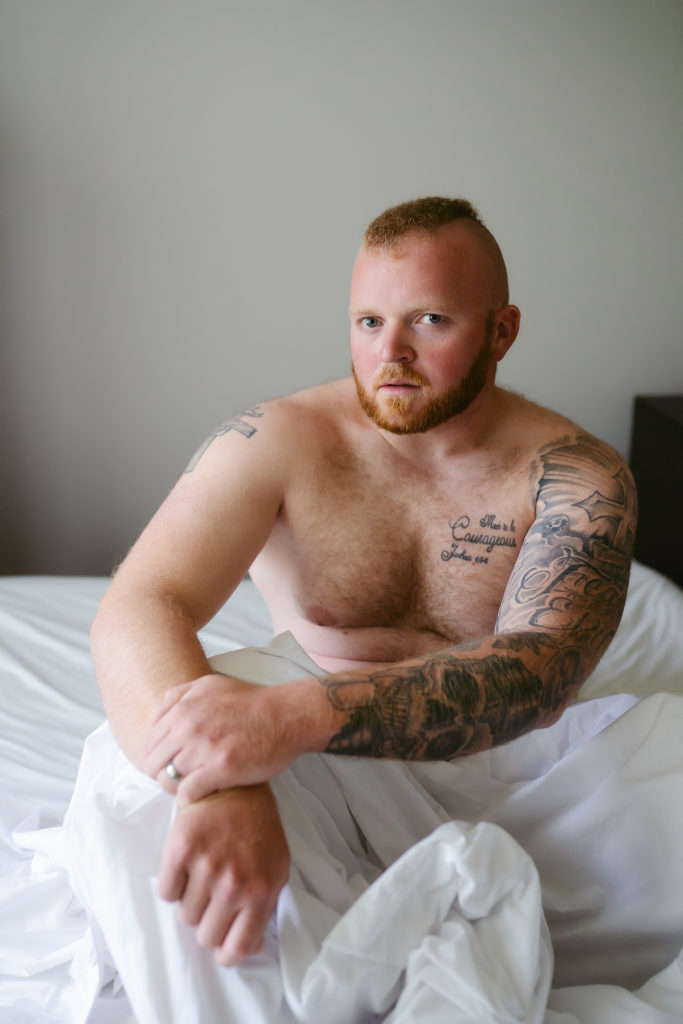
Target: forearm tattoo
<point>561,608</point>
<point>237,423</point>
<point>436,707</point>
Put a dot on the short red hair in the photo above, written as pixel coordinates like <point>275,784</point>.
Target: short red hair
<point>426,214</point>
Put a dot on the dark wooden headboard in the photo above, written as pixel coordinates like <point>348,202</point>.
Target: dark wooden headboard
<point>657,464</point>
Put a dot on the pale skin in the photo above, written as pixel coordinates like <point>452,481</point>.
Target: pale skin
<point>458,584</point>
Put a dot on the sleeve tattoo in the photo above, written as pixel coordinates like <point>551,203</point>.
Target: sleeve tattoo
<point>561,607</point>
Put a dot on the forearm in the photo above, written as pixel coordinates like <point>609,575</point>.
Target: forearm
<point>142,644</point>
<point>225,733</point>
<point>458,701</point>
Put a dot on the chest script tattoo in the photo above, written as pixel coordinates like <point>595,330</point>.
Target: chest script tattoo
<point>561,607</point>
<point>237,423</point>
<point>490,533</point>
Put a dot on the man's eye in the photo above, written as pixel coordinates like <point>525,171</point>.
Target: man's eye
<point>369,321</point>
<point>432,318</point>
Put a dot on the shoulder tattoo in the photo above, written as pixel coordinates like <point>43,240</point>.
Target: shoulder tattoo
<point>236,423</point>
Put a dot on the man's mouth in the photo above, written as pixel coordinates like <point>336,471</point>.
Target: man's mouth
<point>398,384</point>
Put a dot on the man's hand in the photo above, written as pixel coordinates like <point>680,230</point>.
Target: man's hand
<point>225,861</point>
<point>220,733</point>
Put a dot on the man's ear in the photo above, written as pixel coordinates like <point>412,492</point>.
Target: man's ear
<point>505,330</point>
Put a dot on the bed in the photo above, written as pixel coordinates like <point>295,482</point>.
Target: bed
<point>542,881</point>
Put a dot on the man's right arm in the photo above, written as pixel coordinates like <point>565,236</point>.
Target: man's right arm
<point>144,641</point>
<point>180,572</point>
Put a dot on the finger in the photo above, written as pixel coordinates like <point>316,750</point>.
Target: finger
<point>198,784</point>
<point>173,875</point>
<point>170,699</point>
<point>195,898</point>
<point>216,919</point>
<point>171,883</point>
<point>161,747</point>
<point>156,761</point>
<point>244,938</point>
<point>169,781</point>
<point>156,736</point>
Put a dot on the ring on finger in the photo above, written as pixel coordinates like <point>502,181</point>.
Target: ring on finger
<point>172,772</point>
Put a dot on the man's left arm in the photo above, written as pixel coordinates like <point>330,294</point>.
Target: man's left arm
<point>560,609</point>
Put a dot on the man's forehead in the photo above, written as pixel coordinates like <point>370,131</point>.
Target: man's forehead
<point>458,237</point>
<point>457,255</point>
<point>448,256</point>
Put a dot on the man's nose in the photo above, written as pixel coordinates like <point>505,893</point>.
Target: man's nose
<point>396,344</point>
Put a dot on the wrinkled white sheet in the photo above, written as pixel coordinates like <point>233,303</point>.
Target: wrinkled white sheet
<point>580,821</point>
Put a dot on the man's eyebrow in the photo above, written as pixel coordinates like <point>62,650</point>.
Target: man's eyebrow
<point>428,303</point>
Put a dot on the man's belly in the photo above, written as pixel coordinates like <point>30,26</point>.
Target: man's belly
<point>341,649</point>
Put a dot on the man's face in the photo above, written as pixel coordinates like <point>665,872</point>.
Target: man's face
<point>422,329</point>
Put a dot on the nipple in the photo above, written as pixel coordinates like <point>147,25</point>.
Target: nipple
<point>320,616</point>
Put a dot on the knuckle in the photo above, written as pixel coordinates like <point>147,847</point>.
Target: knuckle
<point>210,865</point>
<point>256,892</point>
<point>183,844</point>
<point>260,892</point>
<point>228,886</point>
<point>180,848</point>
<point>224,756</point>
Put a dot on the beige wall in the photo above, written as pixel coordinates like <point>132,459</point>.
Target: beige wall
<point>183,185</point>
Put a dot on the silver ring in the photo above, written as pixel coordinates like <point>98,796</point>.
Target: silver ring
<point>172,772</point>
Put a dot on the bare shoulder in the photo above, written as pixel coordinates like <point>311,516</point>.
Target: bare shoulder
<point>292,423</point>
<point>563,455</point>
<point>327,405</point>
<point>331,406</point>
<point>570,461</point>
<point>224,507</point>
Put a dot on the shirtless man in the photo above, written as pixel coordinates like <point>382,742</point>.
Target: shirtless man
<point>455,556</point>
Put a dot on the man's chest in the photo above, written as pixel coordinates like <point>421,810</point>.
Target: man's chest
<point>374,553</point>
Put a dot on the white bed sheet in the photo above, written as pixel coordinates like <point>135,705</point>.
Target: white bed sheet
<point>49,701</point>
<point>620,768</point>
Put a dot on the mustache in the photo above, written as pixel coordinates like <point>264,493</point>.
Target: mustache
<point>398,374</point>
